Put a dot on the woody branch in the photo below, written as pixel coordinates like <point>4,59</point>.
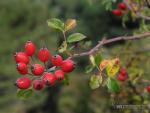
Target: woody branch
<point>108,41</point>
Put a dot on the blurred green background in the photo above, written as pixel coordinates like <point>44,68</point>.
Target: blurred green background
<point>21,20</point>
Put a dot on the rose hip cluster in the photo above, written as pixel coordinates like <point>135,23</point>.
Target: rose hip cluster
<point>119,11</point>
<point>122,75</point>
<point>40,75</point>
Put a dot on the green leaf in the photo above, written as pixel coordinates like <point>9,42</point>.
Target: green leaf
<point>108,4</point>
<point>95,81</point>
<point>56,24</point>
<point>65,81</point>
<point>24,93</point>
<point>113,0</point>
<point>75,37</point>
<point>112,85</point>
<point>98,59</point>
<point>92,59</point>
<point>95,60</point>
<point>125,18</point>
<point>87,44</point>
<point>89,68</point>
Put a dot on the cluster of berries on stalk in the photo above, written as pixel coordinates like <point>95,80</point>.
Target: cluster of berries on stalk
<point>40,76</point>
<point>122,76</point>
<point>121,8</point>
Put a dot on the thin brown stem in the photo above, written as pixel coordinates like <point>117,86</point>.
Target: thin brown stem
<point>32,58</point>
<point>108,41</point>
<point>45,66</point>
<point>30,74</point>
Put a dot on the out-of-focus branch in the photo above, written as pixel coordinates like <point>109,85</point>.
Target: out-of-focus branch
<point>138,14</point>
<point>108,41</point>
<point>143,16</point>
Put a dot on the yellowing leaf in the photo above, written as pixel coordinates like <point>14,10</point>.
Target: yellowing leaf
<point>70,24</point>
<point>112,68</point>
<point>103,64</point>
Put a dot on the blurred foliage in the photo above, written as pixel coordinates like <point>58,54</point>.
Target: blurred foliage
<point>21,20</point>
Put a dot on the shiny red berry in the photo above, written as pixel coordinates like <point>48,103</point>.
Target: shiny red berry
<point>67,65</point>
<point>29,48</point>
<point>121,77</point>
<point>56,60</point>
<point>37,69</point>
<point>49,79</point>
<point>22,68</point>
<point>122,6</point>
<point>123,71</point>
<point>148,88</point>
<point>38,84</point>
<point>59,74</point>
<point>23,72</point>
<point>43,54</point>
<point>23,83</point>
<point>21,57</point>
<point>117,12</point>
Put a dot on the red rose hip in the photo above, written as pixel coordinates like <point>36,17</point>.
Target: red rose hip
<point>122,6</point>
<point>29,48</point>
<point>148,88</point>
<point>23,83</point>
<point>43,54</point>
<point>49,79</point>
<point>67,65</point>
<point>117,12</point>
<point>21,66</point>
<point>23,72</point>
<point>56,60</point>
<point>121,77</point>
<point>59,74</point>
<point>123,71</point>
<point>38,84</point>
<point>37,69</point>
<point>21,57</point>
